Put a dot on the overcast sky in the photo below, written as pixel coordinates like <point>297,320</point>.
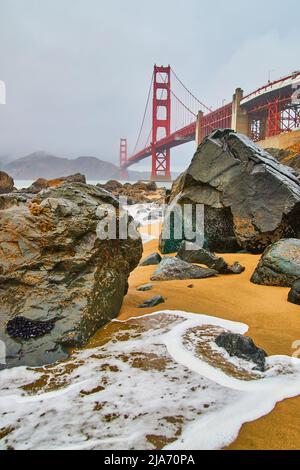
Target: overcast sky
<point>77,72</point>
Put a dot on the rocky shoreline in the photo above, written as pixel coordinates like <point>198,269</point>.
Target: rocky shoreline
<point>62,286</point>
<point>59,282</point>
<point>135,193</point>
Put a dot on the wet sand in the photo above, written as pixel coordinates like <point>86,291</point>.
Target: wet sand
<point>274,325</point>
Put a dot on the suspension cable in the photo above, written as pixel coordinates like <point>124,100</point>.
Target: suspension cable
<point>178,99</point>
<point>188,109</point>
<point>202,104</point>
<point>144,116</point>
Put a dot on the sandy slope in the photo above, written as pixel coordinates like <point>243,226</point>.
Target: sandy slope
<point>274,325</point>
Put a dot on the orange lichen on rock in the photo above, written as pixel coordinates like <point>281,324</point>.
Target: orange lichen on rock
<point>36,209</point>
<point>55,182</point>
<point>46,227</point>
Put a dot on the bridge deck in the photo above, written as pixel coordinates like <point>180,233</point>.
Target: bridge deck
<point>280,90</point>
<point>186,134</point>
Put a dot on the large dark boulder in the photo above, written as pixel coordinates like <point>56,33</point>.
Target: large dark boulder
<point>242,347</point>
<point>250,199</point>
<point>6,183</point>
<point>171,269</point>
<point>59,280</point>
<point>279,265</point>
<point>294,294</point>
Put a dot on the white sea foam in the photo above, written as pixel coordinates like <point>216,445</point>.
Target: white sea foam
<point>146,213</point>
<point>145,388</point>
<point>147,216</point>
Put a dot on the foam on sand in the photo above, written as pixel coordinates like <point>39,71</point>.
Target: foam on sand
<point>157,381</point>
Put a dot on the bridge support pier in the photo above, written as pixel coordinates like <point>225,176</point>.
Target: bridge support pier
<point>198,136</point>
<point>239,120</point>
<point>161,178</point>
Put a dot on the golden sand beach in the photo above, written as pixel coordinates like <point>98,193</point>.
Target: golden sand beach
<point>274,325</point>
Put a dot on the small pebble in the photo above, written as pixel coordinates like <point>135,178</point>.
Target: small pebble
<point>152,302</point>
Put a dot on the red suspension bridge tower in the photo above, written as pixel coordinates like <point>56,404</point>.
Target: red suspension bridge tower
<point>161,122</point>
<point>169,120</point>
<point>123,158</point>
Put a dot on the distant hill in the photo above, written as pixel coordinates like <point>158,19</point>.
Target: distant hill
<point>44,165</point>
<point>3,161</point>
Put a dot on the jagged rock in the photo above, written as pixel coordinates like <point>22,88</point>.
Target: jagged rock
<point>152,302</point>
<point>242,347</point>
<point>13,199</point>
<point>191,254</point>
<point>250,199</point>
<point>144,186</point>
<point>279,265</point>
<point>145,288</point>
<point>42,183</point>
<point>151,260</point>
<point>289,156</point>
<point>140,192</point>
<point>151,186</point>
<point>37,186</point>
<point>279,154</point>
<point>6,183</point>
<point>235,268</point>
<point>111,185</point>
<point>76,178</point>
<point>55,269</point>
<point>174,268</point>
<point>294,294</point>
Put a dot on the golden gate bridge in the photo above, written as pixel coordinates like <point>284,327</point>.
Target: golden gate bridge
<point>173,115</point>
